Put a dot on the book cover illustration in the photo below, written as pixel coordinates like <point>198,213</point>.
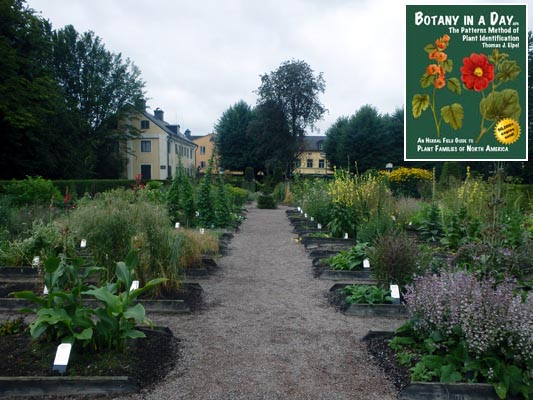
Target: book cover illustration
<point>466,82</point>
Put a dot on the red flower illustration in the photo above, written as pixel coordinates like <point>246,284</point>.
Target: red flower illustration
<point>477,72</point>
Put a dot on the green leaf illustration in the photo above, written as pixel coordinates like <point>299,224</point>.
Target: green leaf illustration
<point>508,71</point>
<point>453,115</point>
<point>454,85</point>
<point>427,80</point>
<point>499,105</point>
<point>420,103</point>
<point>430,48</point>
<point>447,65</point>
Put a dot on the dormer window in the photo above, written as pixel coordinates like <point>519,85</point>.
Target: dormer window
<point>320,145</point>
<point>145,124</point>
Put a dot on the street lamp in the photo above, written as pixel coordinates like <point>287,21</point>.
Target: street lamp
<point>388,167</point>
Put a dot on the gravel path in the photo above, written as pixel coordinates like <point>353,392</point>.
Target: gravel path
<point>267,331</point>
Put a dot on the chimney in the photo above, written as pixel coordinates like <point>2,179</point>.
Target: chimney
<point>159,114</point>
<point>187,133</point>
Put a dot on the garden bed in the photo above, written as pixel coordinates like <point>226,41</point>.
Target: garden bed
<point>363,310</point>
<point>377,345</point>
<point>311,240</point>
<point>25,368</point>
<point>188,298</point>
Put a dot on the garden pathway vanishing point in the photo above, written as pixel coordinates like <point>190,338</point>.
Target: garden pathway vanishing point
<point>267,331</point>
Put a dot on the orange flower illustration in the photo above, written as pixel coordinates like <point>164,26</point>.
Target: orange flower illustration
<point>433,69</point>
<point>440,82</point>
<point>477,72</point>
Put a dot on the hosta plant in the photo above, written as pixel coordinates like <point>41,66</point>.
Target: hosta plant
<point>366,294</point>
<point>349,260</point>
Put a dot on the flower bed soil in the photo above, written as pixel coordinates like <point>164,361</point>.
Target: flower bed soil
<point>336,299</point>
<point>147,361</point>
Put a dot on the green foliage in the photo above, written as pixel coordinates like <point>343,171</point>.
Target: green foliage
<point>266,201</point>
<point>180,198</point>
<point>205,203</point>
<point>79,187</point>
<point>366,294</point>
<point>13,326</point>
<point>235,147</point>
<point>367,137</point>
<point>461,230</point>
<point>222,205</point>
<point>342,220</point>
<point>45,240</point>
<point>430,225</point>
<point>237,196</point>
<point>119,314</point>
<point>312,195</point>
<point>249,174</point>
<point>32,191</point>
<point>394,259</point>
<point>295,88</point>
<point>349,260</point>
<point>62,315</point>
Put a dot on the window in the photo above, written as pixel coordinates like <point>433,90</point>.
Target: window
<point>202,149</point>
<point>320,163</point>
<point>146,146</point>
<point>115,147</point>
<point>145,124</point>
<point>297,163</point>
<point>176,149</point>
<point>146,171</point>
<point>309,163</point>
<point>320,145</point>
<point>202,164</point>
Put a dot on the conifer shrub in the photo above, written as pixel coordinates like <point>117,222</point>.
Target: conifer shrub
<point>266,201</point>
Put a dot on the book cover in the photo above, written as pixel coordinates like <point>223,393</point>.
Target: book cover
<point>466,82</point>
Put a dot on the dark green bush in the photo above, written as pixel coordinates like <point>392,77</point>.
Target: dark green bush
<point>32,191</point>
<point>266,201</point>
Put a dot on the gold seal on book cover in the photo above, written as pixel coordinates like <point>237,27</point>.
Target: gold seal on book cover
<point>507,131</point>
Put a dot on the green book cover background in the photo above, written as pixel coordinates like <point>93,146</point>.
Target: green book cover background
<point>431,136</point>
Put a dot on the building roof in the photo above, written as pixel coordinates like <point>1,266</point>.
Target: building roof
<point>165,126</point>
<point>313,143</point>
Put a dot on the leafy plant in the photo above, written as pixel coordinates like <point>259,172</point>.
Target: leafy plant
<point>61,314</point>
<point>119,314</point>
<point>430,226</point>
<point>349,260</point>
<point>180,198</point>
<point>394,258</point>
<point>342,220</point>
<point>13,326</point>
<point>266,201</point>
<point>366,294</point>
<point>461,229</point>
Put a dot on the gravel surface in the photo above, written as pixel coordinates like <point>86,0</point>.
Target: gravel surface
<point>266,330</point>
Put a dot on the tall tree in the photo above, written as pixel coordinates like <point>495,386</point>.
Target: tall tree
<point>269,130</point>
<point>235,147</point>
<point>296,89</point>
<point>99,88</point>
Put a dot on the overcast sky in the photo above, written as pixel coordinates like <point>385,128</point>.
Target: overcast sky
<point>200,57</point>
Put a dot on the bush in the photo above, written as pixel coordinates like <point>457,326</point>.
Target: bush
<point>406,181</point>
<point>266,202</point>
<point>393,259</point>
<point>237,196</point>
<point>32,191</point>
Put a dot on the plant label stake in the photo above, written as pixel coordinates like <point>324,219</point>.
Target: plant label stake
<point>345,236</point>
<point>134,285</point>
<point>319,226</point>
<point>202,231</point>
<point>83,243</point>
<point>395,294</point>
<point>299,209</point>
<point>312,219</point>
<point>305,215</point>
<point>45,290</point>
<point>62,356</point>
<point>35,262</point>
<point>197,213</point>
<point>366,263</point>
<point>177,225</point>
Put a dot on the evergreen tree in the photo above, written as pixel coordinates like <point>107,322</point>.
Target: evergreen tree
<point>180,198</point>
<point>206,207</point>
<point>222,205</point>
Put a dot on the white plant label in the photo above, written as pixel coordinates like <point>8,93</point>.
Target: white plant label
<point>177,225</point>
<point>299,209</point>
<point>305,215</point>
<point>202,231</point>
<point>366,263</point>
<point>395,291</point>
<point>134,285</point>
<point>45,290</point>
<point>345,236</point>
<point>83,243</point>
<point>35,262</point>
<point>312,219</point>
<point>62,356</point>
<point>319,226</point>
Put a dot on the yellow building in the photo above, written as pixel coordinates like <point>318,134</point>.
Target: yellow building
<point>205,147</point>
<point>312,159</point>
<point>155,153</point>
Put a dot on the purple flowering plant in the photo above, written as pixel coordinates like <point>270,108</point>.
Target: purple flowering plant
<point>465,329</point>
